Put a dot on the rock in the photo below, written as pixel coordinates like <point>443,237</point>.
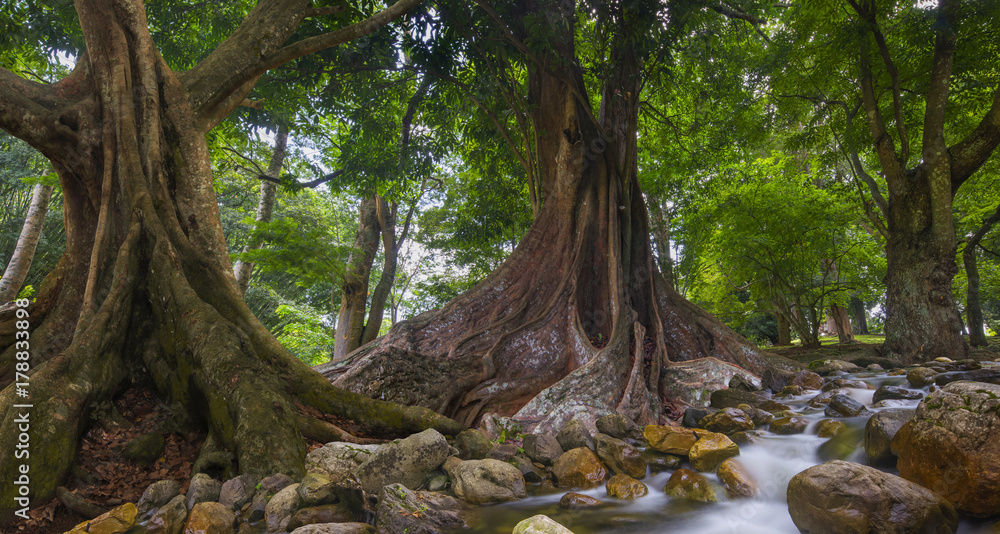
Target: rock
<point>687,484</point>
<point>670,439</point>
<point>439,482</point>
<point>990,376</point>
<point>115,521</point>
<point>500,428</point>
<point>660,461</point>
<point>274,483</point>
<point>692,416</point>
<point>879,431</point>
<point>408,461</point>
<point>823,399</point>
<point>579,468</point>
<point>575,501</point>
<point>169,518</point>
<point>874,367</point>
<point>772,406</point>
<point>336,528</point>
<point>316,489</point>
<point>731,398</point>
<point>792,391</point>
<point>210,518</point>
<point>402,511</point>
<point>691,383</point>
<point>487,481</point>
<point>789,425</point>
<point>841,383</point>
<point>777,379</point>
<point>844,406</point>
<point>238,491</point>
<point>472,444</point>
<point>727,421</point>
<point>156,495</point>
<point>622,486</point>
<point>951,446</point>
<point>921,376</point>
<point>540,524</point>
<point>739,381</point>
<point>575,435</point>
<point>326,513</point>
<point>824,367</point>
<point>529,470</point>
<point>618,426</point>
<point>278,511</point>
<point>758,416</point>
<point>888,392</point>
<point>710,450</point>
<point>620,456</point>
<point>503,452</point>
<point>737,480</point>
<point>745,438</point>
<point>145,449</point>
<point>844,497</point>
<point>841,446</point>
<point>338,459</point>
<point>829,428</point>
<point>542,448</point>
<point>202,488</point>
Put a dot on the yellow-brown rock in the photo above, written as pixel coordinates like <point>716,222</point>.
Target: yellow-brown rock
<point>113,521</point>
<point>710,450</point>
<point>829,428</point>
<point>210,518</point>
<point>670,439</point>
<point>623,486</point>
<point>738,481</point>
<point>579,468</point>
<point>687,484</point>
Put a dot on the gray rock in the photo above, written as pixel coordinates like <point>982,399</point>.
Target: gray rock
<point>237,492</point>
<point>409,461</point>
<point>620,456</point>
<point>156,495</point>
<point>336,528</point>
<point>844,406</point>
<point>739,381</point>
<point>879,431</point>
<point>528,470</point>
<point>145,449</point>
<point>825,367</point>
<point>338,459</point>
<point>618,426</point>
<point>203,488</point>
<point>472,444</point>
<point>844,497</point>
<point>731,398</point>
<point>274,483</point>
<point>438,482</point>
<point>316,489</point>
<point>575,435</point>
<point>777,379</point>
<point>540,524</point>
<point>322,514</point>
<point>503,452</point>
<point>169,518</point>
<point>990,376</point>
<point>279,510</point>
<point>921,376</point>
<point>542,448</point>
<point>757,416</point>
<point>888,392</point>
<point>487,481</point>
<point>839,383</point>
<point>693,416</point>
<point>401,511</point>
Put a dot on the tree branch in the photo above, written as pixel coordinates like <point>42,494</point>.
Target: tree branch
<point>937,94</point>
<point>302,185</point>
<point>735,13</point>
<point>30,111</point>
<point>895,174</point>
<point>970,153</point>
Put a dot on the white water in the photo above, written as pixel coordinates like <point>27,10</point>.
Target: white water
<point>772,461</point>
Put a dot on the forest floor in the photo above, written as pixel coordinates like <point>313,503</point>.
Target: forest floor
<point>864,351</point>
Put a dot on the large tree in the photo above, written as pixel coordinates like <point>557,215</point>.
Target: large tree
<point>145,287</point>
<point>578,321</point>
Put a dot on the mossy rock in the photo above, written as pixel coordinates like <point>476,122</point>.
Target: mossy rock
<point>145,449</point>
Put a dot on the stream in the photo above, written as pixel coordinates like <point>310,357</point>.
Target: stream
<point>772,460</point>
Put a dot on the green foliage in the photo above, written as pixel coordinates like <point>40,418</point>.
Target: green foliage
<point>305,333</point>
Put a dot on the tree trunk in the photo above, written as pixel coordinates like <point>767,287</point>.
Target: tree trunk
<point>520,342</point>
<point>660,235</point>
<point>265,206</point>
<point>973,307</point>
<point>354,290</point>
<point>145,285</point>
<point>860,316</point>
<point>24,251</point>
<point>842,321</point>
<point>784,329</point>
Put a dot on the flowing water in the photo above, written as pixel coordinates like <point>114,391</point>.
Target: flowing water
<point>772,460</point>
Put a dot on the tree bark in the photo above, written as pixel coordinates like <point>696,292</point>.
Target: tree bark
<point>265,207</point>
<point>842,320</point>
<point>973,307</point>
<point>520,342</point>
<point>24,251</point>
<point>784,330</point>
<point>145,285</point>
<point>354,289</point>
<point>860,316</point>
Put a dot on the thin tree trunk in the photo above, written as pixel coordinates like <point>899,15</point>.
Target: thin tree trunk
<point>265,206</point>
<point>660,224</point>
<point>24,252</point>
<point>842,321</point>
<point>973,307</point>
<point>354,289</point>
<point>784,329</point>
<point>860,316</point>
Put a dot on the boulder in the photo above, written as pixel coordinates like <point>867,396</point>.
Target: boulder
<point>336,528</point>
<point>620,456</point>
<point>727,421</point>
<point>710,450</point>
<point>737,479</point>
<point>503,452</point>
<point>840,383</point>
<point>487,481</point>
<point>739,381</point>
<point>279,509</point>
<point>169,518</point>
<point>316,489</point>
<point>990,376</point>
<point>540,524</point>
<point>575,501</point>
<point>693,382</point>
<point>238,491</point>
<point>687,484</point>
<point>622,486</point>
<point>579,468</point>
<point>921,376</point>
<point>409,461</point>
<point>879,431</point>
<point>472,444</point>
<point>530,471</point>
<point>402,511</point>
<point>618,426</point>
<point>951,447</point>
<point>844,497</point>
<point>888,392</point>
<point>844,406</point>
<point>210,518</point>
<point>575,435</point>
<point>731,398</point>
<point>156,495</point>
<point>777,379</point>
<point>326,513</point>
<point>693,416</point>
<point>829,428</point>
<point>203,488</point>
<point>758,416</point>
<point>116,521</point>
<point>670,439</point>
<point>789,425</point>
<point>825,367</point>
<point>542,448</point>
<point>145,449</point>
<point>660,461</point>
<point>338,459</point>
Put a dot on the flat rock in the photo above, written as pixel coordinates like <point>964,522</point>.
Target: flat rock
<point>115,521</point>
<point>789,425</point>
<point>156,495</point>
<point>169,518</point>
<point>324,513</point>
<point>845,406</point>
<point>990,376</point>
<point>402,511</point>
<point>670,439</point>
<point>336,528</point>
<point>921,376</point>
